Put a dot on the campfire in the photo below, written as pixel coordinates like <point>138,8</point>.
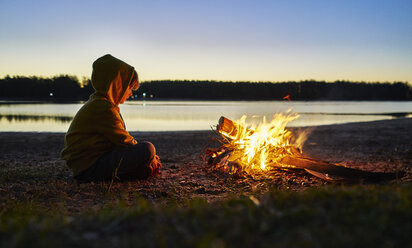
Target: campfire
<point>264,148</point>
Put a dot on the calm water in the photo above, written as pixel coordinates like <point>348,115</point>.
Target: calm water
<point>198,115</point>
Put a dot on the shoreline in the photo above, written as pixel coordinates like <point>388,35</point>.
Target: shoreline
<point>395,119</point>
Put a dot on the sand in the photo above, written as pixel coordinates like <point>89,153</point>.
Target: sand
<point>30,162</point>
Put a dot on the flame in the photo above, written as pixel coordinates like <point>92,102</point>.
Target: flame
<point>262,146</point>
<point>287,97</point>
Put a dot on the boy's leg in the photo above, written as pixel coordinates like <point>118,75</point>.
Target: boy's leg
<point>135,162</point>
<point>127,163</point>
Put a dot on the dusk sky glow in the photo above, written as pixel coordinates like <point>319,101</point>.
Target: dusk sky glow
<point>363,40</point>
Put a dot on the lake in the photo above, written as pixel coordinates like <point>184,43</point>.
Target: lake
<point>198,115</point>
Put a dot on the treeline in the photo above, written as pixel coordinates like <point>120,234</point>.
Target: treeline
<point>59,88</point>
<point>67,87</point>
<point>303,90</point>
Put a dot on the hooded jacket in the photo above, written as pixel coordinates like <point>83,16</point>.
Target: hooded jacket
<point>98,127</point>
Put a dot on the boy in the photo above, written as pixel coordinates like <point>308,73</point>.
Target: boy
<point>97,145</point>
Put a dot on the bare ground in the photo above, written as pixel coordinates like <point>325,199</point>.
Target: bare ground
<point>31,168</point>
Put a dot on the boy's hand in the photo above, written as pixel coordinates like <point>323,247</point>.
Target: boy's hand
<point>156,165</point>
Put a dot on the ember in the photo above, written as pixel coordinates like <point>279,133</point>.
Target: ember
<point>269,146</point>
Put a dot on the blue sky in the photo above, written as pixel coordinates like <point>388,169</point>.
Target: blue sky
<point>218,40</point>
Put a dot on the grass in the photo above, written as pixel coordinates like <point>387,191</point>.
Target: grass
<point>330,216</point>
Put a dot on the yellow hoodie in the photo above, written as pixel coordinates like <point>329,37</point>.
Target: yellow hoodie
<point>98,126</point>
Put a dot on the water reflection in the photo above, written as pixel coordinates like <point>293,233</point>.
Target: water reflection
<point>25,118</point>
<point>198,115</point>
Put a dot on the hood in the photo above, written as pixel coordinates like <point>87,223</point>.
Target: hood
<point>111,77</point>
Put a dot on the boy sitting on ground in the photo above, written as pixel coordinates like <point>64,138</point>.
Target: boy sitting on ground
<point>97,145</point>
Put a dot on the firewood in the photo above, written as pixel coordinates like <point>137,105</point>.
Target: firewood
<point>228,127</point>
<point>321,169</point>
<point>337,172</point>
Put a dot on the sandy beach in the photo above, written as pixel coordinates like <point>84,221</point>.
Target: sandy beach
<point>30,164</point>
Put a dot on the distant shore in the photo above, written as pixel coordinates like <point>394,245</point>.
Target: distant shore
<point>67,88</point>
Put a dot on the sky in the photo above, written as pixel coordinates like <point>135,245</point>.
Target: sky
<point>239,40</point>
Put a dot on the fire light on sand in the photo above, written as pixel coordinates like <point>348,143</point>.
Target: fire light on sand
<point>263,148</point>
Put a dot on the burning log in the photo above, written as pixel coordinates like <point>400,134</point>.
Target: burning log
<point>275,152</point>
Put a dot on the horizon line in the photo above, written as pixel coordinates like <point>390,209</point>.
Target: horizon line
<point>81,79</point>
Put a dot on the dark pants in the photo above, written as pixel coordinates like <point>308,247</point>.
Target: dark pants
<point>124,164</point>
